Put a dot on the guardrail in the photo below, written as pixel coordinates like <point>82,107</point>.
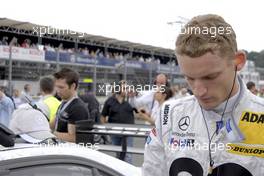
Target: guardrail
<point>124,130</point>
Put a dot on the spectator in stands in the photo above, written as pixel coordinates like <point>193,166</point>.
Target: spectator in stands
<point>4,40</point>
<point>85,51</point>
<point>47,47</point>
<point>162,94</point>
<point>101,55</point>
<point>107,55</point>
<point>25,94</point>
<point>141,59</point>
<point>118,110</point>
<point>121,57</point>
<point>26,43</point>
<point>148,60</point>
<point>93,54</point>
<point>30,125</point>
<point>35,46</point>
<point>252,87</point>
<point>72,108</point>
<point>70,50</point>
<point>48,103</point>
<point>6,109</point>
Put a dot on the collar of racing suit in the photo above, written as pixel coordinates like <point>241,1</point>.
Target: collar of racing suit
<point>215,116</point>
<point>231,103</point>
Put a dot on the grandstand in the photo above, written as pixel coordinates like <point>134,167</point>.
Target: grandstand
<point>41,50</point>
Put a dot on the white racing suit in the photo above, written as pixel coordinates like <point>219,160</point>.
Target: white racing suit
<point>179,144</point>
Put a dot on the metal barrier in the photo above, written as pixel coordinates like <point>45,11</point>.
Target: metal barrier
<point>125,130</point>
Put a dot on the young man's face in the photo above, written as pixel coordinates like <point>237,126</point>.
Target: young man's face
<point>64,90</point>
<point>209,76</point>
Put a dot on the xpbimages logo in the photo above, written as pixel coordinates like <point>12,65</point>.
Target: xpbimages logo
<point>117,88</point>
<point>44,30</point>
<point>213,31</point>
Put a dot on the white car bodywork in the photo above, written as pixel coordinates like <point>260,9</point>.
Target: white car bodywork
<point>70,150</point>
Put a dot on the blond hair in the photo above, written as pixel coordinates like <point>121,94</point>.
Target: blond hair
<point>206,33</point>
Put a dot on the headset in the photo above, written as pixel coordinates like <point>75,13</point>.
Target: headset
<point>210,138</point>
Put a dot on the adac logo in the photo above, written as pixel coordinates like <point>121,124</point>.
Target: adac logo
<point>253,117</point>
<point>184,123</point>
<point>251,125</point>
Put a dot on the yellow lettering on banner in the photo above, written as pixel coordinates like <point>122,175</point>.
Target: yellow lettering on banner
<point>252,126</point>
<point>246,151</point>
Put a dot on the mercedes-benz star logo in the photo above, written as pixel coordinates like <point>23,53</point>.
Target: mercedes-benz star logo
<point>184,123</point>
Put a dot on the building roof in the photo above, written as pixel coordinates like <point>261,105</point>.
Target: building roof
<point>7,24</point>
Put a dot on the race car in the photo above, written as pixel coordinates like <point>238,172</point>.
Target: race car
<point>61,160</point>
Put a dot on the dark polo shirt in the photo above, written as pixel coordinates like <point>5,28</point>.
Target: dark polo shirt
<point>118,112</point>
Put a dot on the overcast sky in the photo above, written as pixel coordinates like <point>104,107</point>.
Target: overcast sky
<point>140,21</point>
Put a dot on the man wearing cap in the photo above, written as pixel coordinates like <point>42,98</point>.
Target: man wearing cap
<point>30,125</point>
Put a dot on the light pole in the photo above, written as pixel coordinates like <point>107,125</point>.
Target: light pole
<point>94,73</point>
<point>58,58</point>
<point>125,68</point>
<point>179,21</point>
<point>94,77</point>
<point>151,68</point>
<point>13,41</point>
